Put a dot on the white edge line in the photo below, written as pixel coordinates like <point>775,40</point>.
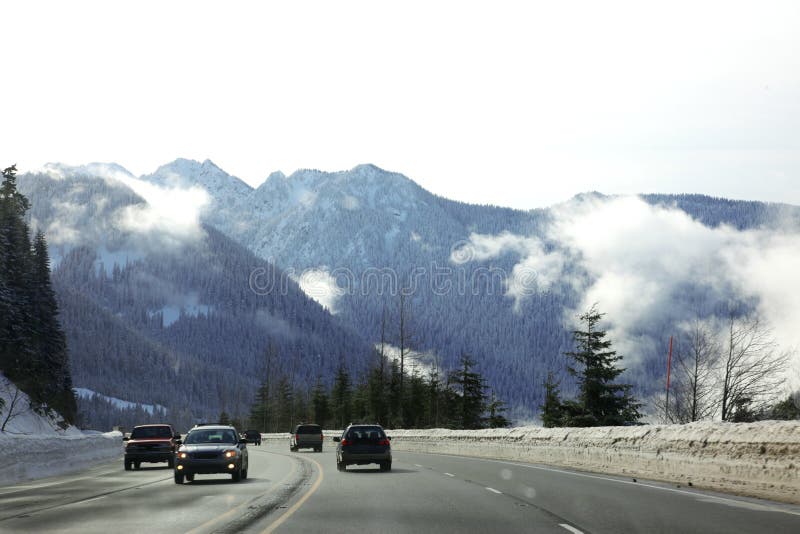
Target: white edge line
<point>450,474</point>
<point>494,490</point>
<point>695,494</point>
<point>570,528</point>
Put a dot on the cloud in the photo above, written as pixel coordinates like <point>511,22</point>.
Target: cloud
<point>320,286</point>
<point>649,265</point>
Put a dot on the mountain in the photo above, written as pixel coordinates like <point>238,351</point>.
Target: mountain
<point>161,308</point>
<point>504,285</point>
<point>159,269</point>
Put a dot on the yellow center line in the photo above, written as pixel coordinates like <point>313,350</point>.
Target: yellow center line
<point>232,511</point>
<point>296,506</point>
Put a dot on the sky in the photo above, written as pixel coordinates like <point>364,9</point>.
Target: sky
<point>521,104</point>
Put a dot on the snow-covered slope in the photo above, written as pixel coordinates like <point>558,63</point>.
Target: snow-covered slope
<point>35,446</point>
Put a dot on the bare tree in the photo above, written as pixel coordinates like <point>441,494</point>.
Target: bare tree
<point>751,367</point>
<point>16,405</point>
<point>696,383</point>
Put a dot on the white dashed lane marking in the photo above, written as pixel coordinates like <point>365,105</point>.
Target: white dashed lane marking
<point>450,474</point>
<point>494,490</point>
<point>570,528</point>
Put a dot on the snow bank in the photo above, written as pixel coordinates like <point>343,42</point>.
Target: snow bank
<point>755,459</point>
<point>35,446</point>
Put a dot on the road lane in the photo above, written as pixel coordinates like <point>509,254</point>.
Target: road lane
<point>148,500</point>
<point>303,492</point>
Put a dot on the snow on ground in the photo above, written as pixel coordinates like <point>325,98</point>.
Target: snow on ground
<point>754,459</point>
<point>35,446</point>
<point>85,393</point>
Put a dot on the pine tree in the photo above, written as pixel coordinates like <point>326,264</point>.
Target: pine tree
<point>496,410</point>
<point>341,398</point>
<point>321,405</point>
<point>471,386</point>
<point>602,402</point>
<point>552,413</point>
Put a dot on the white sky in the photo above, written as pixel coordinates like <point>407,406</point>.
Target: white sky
<point>512,103</point>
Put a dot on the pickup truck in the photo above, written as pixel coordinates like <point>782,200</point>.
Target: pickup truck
<point>150,443</point>
<point>306,436</point>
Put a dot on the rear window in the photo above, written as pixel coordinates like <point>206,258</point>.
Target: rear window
<point>145,432</point>
<point>365,433</point>
<point>309,429</point>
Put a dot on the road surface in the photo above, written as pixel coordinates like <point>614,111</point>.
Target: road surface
<point>303,493</point>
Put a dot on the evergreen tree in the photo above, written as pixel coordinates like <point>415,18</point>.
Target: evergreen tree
<point>470,385</point>
<point>321,405</point>
<point>341,398</point>
<point>496,409</point>
<point>602,402</point>
<point>552,413</point>
<point>33,350</point>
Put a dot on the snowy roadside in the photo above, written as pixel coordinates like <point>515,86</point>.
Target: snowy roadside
<point>35,446</point>
<point>752,459</point>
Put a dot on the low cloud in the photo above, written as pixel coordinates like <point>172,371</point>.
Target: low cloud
<point>320,286</point>
<point>640,263</point>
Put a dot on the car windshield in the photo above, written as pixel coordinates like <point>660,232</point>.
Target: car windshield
<point>309,429</point>
<point>211,436</point>
<point>145,432</point>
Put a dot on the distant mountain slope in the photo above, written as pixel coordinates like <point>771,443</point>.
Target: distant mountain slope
<point>367,232</point>
<point>167,314</point>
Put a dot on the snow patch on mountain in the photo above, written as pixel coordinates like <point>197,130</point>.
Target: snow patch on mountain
<point>85,393</point>
<point>320,286</point>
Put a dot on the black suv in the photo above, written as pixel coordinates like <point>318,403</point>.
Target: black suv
<point>211,449</point>
<point>253,436</point>
<point>361,445</point>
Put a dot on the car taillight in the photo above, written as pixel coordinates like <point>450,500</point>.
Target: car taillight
<point>383,442</point>
<point>296,438</point>
<point>345,443</point>
<point>321,437</point>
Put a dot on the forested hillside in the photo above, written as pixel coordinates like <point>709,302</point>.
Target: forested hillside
<point>172,319</point>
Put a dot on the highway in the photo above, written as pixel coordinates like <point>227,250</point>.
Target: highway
<point>303,492</point>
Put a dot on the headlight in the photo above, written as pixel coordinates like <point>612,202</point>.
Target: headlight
<point>230,454</point>
<point>182,455</point>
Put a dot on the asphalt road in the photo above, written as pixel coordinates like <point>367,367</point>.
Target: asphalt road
<point>303,492</point>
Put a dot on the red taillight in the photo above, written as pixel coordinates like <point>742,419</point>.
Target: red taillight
<point>383,441</point>
<point>321,437</point>
<point>296,438</point>
<point>345,443</point>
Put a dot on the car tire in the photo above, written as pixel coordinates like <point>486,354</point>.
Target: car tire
<point>137,465</point>
<point>128,465</point>
<point>386,466</point>
<point>171,462</point>
<point>244,474</point>
<point>237,475</point>
<point>178,478</point>
<point>190,477</point>
<point>341,466</point>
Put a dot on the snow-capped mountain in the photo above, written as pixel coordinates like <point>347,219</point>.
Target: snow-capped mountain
<point>503,285</point>
<point>159,308</point>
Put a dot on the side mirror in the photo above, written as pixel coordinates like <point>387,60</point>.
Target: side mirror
<point>178,442</point>
<point>242,441</point>
<point>126,438</point>
<point>389,438</point>
<point>337,439</point>
<point>176,436</point>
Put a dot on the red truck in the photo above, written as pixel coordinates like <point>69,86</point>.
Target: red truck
<point>152,444</point>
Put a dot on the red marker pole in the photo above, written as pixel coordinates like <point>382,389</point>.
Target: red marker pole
<point>669,370</point>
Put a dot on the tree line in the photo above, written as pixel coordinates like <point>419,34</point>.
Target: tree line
<point>33,348</point>
<point>384,395</point>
